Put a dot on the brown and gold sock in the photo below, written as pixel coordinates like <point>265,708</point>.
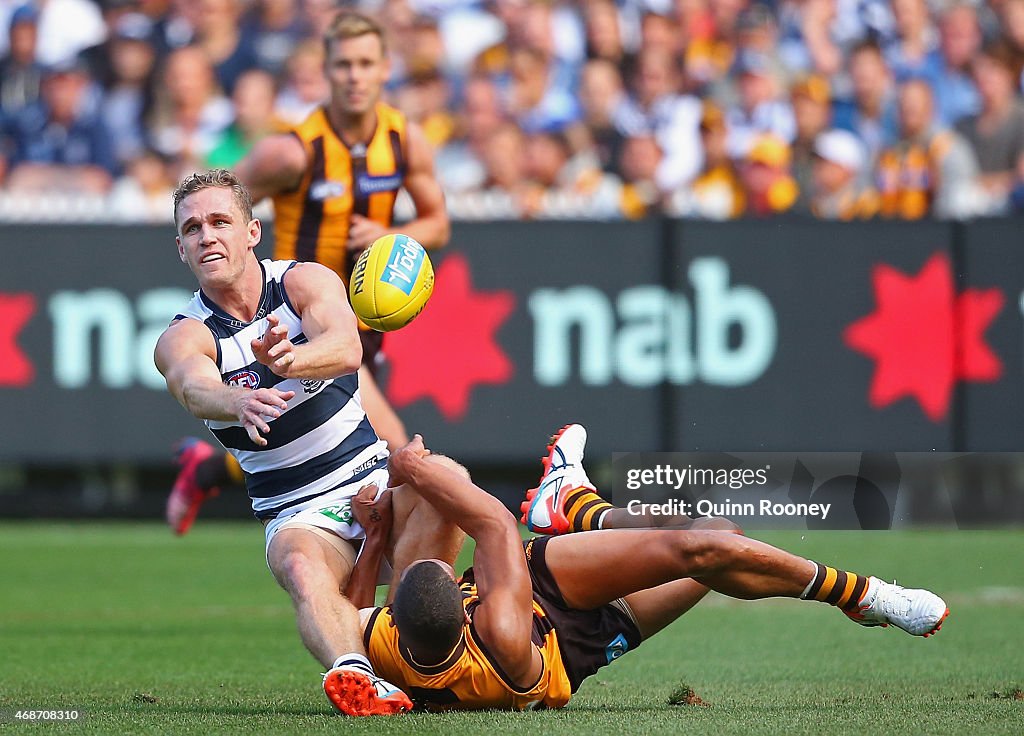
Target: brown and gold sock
<point>584,509</point>
<point>836,587</point>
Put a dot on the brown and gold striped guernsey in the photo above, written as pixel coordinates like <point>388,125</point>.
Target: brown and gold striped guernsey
<point>311,221</point>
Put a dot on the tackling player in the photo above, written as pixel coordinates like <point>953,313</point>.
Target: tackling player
<point>530,621</point>
<point>333,179</point>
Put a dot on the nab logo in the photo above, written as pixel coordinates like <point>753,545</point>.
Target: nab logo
<point>326,189</point>
<point>311,385</point>
<point>616,648</point>
<point>244,379</point>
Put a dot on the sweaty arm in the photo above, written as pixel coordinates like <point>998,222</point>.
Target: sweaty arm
<point>186,356</point>
<point>332,348</point>
<point>275,164</point>
<point>505,615</point>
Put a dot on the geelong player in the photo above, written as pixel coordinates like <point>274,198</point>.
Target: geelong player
<point>530,621</point>
<point>333,179</point>
<point>267,354</point>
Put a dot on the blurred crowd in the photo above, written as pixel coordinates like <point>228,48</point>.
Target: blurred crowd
<point>842,109</point>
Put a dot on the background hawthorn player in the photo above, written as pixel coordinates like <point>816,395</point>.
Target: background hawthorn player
<point>333,179</point>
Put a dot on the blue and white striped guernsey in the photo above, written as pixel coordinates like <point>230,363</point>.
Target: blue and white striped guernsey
<point>322,441</point>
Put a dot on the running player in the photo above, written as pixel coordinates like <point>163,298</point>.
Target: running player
<point>333,179</point>
<point>267,354</point>
<point>530,621</point>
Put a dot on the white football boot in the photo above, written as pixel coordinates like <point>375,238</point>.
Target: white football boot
<point>544,507</point>
<point>918,612</point>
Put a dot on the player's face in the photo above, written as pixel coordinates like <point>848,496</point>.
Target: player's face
<point>357,70</point>
<point>214,237</point>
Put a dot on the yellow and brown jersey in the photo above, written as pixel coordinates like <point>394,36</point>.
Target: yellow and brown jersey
<point>469,679</point>
<point>311,222</point>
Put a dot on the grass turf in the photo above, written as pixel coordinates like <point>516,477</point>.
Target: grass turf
<point>152,634</point>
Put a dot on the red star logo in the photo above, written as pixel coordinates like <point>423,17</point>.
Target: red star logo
<point>451,346</point>
<point>924,337</point>
<point>15,311</point>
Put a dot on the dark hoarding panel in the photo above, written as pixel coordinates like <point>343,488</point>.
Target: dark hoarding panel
<point>992,351</point>
<point>822,335</point>
<point>524,334</point>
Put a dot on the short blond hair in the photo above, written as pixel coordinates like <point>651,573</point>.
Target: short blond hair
<point>347,24</point>
<point>213,179</point>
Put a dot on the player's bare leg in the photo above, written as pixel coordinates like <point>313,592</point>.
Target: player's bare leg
<point>419,532</point>
<point>385,421</point>
<point>314,574</point>
<point>730,564</point>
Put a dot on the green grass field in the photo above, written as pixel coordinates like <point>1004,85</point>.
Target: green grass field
<point>152,634</point>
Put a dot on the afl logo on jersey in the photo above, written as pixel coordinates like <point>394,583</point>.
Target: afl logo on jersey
<point>326,189</point>
<point>245,379</point>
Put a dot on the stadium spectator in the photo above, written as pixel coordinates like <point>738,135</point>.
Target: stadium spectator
<point>656,108</point>
<point>959,42</point>
<point>145,189</point>
<point>305,85</point>
<point>100,57</point>
<point>996,133</point>
<point>757,33</point>
<point>228,45</point>
<point>910,54</point>
<point>659,31</point>
<point>20,73</point>
<point>536,101</point>
<point>760,108</point>
<point>253,102</point>
<point>871,112</point>
<point>276,28</point>
<point>709,56</point>
<point>838,190</point>
<point>175,23</point>
<point>504,163</point>
<point>61,142</point>
<point>189,111</point>
<point>639,164</point>
<point>602,27</point>
<point>812,113</point>
<point>930,169</point>
<point>600,93</point>
<point>128,94</point>
<point>807,42</point>
<point>460,164</point>
<point>717,192</point>
<point>768,184</point>
<point>426,99</point>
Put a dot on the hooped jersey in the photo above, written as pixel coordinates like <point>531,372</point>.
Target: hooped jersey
<point>469,679</point>
<point>311,222</point>
<point>323,440</point>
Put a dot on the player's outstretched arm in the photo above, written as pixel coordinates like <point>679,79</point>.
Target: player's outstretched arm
<point>505,614</point>
<point>275,164</point>
<point>375,516</point>
<point>332,348</point>
<point>186,356</point>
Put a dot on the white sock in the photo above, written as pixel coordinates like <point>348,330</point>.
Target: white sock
<point>354,661</point>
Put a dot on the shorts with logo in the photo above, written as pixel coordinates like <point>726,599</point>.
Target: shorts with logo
<point>330,512</point>
<point>588,640</point>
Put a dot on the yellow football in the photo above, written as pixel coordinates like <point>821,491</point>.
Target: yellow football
<point>391,282</point>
